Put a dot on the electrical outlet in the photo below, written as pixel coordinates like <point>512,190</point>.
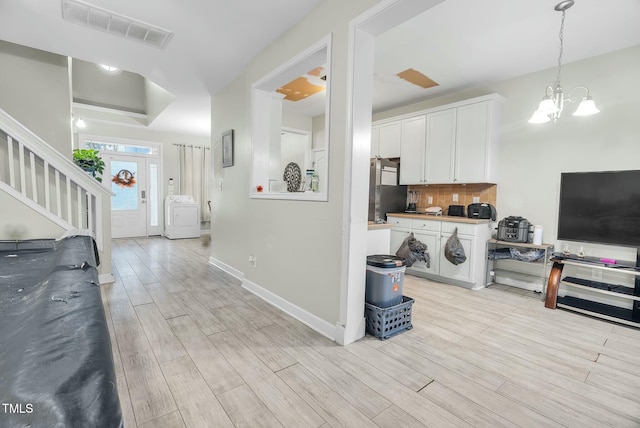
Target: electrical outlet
<point>476,199</point>
<point>454,197</point>
<point>252,260</point>
<point>430,200</point>
<point>219,184</point>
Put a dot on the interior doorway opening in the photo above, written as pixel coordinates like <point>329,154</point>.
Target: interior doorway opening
<point>363,30</point>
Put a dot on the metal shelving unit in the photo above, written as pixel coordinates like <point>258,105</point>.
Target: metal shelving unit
<point>494,244</point>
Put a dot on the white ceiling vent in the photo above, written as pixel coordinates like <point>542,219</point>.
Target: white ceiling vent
<point>95,17</point>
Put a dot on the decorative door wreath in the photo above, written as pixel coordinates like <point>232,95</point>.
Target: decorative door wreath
<point>124,178</point>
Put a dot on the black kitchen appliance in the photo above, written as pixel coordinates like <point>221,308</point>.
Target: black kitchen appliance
<point>412,201</point>
<point>456,211</point>
<point>482,211</point>
<point>513,229</point>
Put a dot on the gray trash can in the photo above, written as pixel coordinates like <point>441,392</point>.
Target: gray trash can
<point>385,275</point>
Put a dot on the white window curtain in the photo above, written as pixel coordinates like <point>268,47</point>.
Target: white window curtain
<point>194,171</point>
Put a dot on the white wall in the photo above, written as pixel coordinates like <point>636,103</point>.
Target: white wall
<point>125,91</point>
<point>34,89</point>
<point>533,156</point>
<point>318,137</point>
<point>296,121</point>
<point>19,222</point>
<point>295,148</point>
<point>530,174</point>
<point>297,244</point>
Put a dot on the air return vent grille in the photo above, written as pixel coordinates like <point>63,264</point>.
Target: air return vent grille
<point>86,14</point>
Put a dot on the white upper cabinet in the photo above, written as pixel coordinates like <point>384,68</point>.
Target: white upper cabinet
<point>456,143</point>
<point>375,140</point>
<point>390,139</point>
<point>412,150</point>
<point>475,144</point>
<point>386,139</point>
<point>440,147</point>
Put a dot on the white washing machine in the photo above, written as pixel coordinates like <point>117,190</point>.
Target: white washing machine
<point>181,217</point>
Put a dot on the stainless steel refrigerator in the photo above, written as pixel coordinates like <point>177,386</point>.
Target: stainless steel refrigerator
<point>385,195</point>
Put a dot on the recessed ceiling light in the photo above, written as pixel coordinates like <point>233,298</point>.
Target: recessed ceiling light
<point>109,69</point>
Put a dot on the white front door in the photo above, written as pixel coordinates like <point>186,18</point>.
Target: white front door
<point>129,203</point>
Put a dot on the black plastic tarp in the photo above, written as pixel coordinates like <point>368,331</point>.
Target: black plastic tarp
<point>56,366</point>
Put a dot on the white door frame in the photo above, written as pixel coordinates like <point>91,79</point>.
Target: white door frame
<point>154,158</point>
<point>363,29</point>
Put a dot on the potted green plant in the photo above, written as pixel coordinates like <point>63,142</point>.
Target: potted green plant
<point>88,160</point>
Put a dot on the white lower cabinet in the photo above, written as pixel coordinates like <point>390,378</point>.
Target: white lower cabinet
<point>435,234</point>
<point>431,239</point>
<point>464,271</point>
<point>398,236</point>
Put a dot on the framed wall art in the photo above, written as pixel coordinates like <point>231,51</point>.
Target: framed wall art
<point>227,148</point>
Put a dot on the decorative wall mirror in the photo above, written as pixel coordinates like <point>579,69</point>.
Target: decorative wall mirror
<point>289,128</point>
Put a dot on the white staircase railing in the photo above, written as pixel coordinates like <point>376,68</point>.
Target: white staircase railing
<point>50,183</point>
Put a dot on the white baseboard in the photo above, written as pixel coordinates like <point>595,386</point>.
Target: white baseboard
<point>106,278</point>
<point>519,280</point>
<point>343,337</point>
<point>228,269</point>
<point>321,326</point>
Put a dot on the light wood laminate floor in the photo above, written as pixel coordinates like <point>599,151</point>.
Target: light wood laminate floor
<point>193,348</point>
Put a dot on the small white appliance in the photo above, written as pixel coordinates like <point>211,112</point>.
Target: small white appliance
<point>181,217</point>
<point>433,211</point>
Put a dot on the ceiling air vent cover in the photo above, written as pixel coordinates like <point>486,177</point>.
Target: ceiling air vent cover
<point>95,17</point>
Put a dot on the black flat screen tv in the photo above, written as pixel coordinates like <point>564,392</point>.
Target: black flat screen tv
<point>600,207</point>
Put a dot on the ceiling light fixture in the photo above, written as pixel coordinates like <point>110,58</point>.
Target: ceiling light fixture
<point>553,101</point>
<point>109,69</point>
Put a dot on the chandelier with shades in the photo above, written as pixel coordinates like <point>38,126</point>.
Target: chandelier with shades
<point>553,101</point>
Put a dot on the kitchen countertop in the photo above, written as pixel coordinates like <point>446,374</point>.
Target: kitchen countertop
<point>440,218</point>
<point>377,226</point>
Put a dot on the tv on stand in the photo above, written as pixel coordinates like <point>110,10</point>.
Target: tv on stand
<point>603,208</point>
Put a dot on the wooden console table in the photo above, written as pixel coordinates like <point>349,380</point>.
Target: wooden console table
<point>610,312</point>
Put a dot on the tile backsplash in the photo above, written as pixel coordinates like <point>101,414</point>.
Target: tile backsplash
<point>442,194</point>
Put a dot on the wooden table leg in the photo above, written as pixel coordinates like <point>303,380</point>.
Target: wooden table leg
<point>552,286</point>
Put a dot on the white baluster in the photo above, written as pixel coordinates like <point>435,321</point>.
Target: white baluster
<point>23,177</point>
<point>12,172</point>
<point>80,219</point>
<point>47,195</point>
<point>58,196</point>
<point>90,213</point>
<point>99,235</point>
<point>69,215</point>
<point>34,179</point>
